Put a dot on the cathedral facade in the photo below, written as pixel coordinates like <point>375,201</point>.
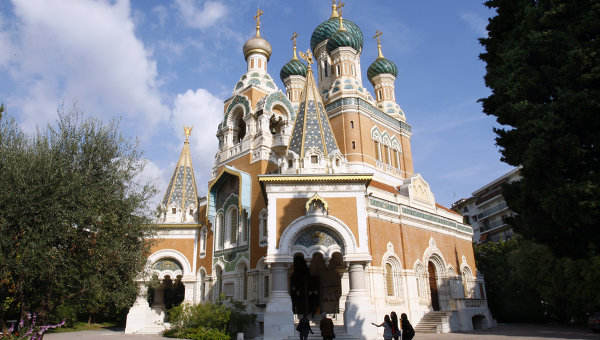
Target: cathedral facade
<point>314,206</point>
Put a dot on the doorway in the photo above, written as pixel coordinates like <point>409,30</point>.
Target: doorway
<point>316,288</point>
<point>435,300</point>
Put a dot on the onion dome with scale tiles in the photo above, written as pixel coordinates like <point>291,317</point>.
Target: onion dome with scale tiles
<point>331,26</point>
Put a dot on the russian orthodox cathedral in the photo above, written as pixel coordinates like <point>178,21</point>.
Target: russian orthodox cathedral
<point>314,206</point>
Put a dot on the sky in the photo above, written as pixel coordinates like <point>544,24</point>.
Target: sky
<point>158,65</point>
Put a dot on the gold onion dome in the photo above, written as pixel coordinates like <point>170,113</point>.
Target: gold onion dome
<point>257,44</point>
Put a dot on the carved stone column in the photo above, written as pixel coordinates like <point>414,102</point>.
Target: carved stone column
<point>279,317</point>
<point>359,311</point>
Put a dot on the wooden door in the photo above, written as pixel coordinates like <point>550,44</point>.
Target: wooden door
<point>435,301</point>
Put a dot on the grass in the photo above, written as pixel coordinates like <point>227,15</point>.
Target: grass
<point>84,326</point>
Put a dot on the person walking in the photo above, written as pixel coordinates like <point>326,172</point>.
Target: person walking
<point>303,328</point>
<point>326,327</point>
<point>387,327</point>
<point>407,329</point>
<point>395,329</point>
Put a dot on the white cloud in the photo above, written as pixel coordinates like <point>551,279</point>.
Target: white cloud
<point>152,173</point>
<point>203,111</point>
<point>476,22</point>
<point>86,51</point>
<point>201,18</point>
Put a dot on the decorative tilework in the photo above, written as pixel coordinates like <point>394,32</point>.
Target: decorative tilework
<point>318,236</point>
<point>237,100</point>
<point>370,108</point>
<point>279,97</point>
<point>436,219</point>
<point>167,264</point>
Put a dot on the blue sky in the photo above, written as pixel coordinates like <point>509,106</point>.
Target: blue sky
<point>158,65</point>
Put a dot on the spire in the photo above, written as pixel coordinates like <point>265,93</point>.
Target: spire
<point>181,193</point>
<point>311,128</point>
<point>336,9</point>
<point>377,36</point>
<point>294,36</point>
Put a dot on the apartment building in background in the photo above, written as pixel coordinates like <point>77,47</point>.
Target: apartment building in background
<point>486,210</point>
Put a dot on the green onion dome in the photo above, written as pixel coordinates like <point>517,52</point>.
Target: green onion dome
<point>293,68</point>
<point>343,38</point>
<point>380,66</point>
<point>258,45</point>
<point>329,27</point>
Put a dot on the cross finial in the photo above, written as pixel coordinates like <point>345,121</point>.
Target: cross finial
<point>308,57</point>
<point>339,7</point>
<point>377,35</point>
<point>187,131</point>
<point>294,36</point>
<point>259,12</point>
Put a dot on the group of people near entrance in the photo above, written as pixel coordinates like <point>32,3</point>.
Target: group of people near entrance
<point>389,324</point>
<point>391,330</point>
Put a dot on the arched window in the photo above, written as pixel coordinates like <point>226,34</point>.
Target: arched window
<point>468,284</point>
<point>377,151</point>
<point>244,227</point>
<point>239,128</point>
<point>389,279</point>
<point>232,224</point>
<point>219,283</point>
<point>203,234</point>
<point>392,278</point>
<point>202,285</point>
<point>262,226</point>
<point>220,231</point>
<point>243,282</point>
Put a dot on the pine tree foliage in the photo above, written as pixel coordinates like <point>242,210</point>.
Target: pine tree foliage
<point>72,217</point>
<point>543,67</point>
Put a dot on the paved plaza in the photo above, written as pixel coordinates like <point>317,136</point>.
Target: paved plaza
<point>503,331</point>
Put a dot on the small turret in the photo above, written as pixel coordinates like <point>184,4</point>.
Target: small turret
<point>293,76</point>
<point>382,74</point>
<point>257,50</point>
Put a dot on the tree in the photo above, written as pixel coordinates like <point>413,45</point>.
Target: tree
<point>73,217</point>
<point>543,67</point>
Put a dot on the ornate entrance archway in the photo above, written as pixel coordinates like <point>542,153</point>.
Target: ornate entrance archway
<point>435,300</point>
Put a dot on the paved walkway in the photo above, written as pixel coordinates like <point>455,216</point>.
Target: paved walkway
<point>502,332</point>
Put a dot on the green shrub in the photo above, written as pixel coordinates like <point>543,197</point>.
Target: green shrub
<point>220,320</point>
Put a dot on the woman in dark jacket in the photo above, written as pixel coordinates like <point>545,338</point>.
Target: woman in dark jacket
<point>395,329</point>
<point>407,330</point>
<point>303,328</point>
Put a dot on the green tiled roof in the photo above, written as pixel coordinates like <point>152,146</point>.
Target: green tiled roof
<point>293,68</point>
<point>344,39</point>
<point>380,66</point>
<point>329,27</point>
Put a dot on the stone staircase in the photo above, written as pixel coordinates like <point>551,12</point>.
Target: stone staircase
<point>431,322</point>
<point>338,329</point>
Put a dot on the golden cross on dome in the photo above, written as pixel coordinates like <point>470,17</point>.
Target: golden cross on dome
<point>307,56</point>
<point>187,130</point>
<point>377,35</point>
<point>259,12</point>
<point>339,6</point>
